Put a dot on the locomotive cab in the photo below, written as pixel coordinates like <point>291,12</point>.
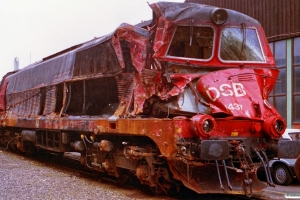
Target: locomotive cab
<point>220,71</point>
<point>216,64</point>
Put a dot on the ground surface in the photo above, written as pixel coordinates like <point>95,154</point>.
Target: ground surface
<point>24,177</point>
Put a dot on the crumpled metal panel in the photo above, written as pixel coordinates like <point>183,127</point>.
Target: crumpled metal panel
<point>137,38</point>
<point>3,87</point>
<point>196,178</point>
<point>60,68</point>
<point>42,74</point>
<point>97,60</point>
<point>51,100</point>
<point>162,37</point>
<point>234,91</point>
<point>24,104</point>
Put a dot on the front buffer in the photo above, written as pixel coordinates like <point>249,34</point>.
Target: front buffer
<point>217,174</point>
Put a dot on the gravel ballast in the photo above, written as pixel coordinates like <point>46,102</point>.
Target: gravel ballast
<point>23,177</point>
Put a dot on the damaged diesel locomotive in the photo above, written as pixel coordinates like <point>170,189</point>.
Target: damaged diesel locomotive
<point>179,99</point>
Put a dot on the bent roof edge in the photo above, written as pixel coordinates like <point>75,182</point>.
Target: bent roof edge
<point>51,70</point>
<point>187,11</point>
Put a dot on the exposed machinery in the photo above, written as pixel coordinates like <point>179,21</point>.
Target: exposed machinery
<point>179,99</point>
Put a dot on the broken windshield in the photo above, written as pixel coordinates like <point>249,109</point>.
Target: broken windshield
<point>240,44</point>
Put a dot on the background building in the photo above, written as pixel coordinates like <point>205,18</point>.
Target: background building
<point>16,63</point>
<point>280,19</point>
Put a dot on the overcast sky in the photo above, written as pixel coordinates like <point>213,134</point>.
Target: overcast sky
<point>34,29</point>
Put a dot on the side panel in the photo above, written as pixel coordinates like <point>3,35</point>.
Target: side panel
<point>2,96</point>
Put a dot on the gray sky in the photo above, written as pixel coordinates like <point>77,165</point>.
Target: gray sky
<point>34,29</point>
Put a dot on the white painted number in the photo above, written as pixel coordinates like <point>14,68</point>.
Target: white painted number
<point>236,89</point>
<point>234,106</point>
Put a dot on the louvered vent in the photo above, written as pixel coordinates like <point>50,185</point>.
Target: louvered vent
<point>245,77</point>
<point>125,86</point>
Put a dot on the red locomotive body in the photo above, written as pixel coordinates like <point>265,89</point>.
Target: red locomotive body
<point>182,98</point>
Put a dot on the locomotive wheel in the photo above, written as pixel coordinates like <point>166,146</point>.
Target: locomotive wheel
<point>30,151</point>
<point>26,148</point>
<point>160,187</point>
<point>156,190</point>
<point>123,179</point>
<point>282,175</point>
<point>124,176</point>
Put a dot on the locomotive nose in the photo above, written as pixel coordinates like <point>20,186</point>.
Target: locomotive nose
<point>274,126</point>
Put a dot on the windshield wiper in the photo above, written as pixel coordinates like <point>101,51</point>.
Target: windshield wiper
<point>242,54</point>
<point>191,31</point>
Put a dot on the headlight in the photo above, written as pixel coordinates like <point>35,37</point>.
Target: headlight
<point>274,126</point>
<point>207,125</point>
<point>218,16</point>
<point>279,126</point>
<point>203,125</point>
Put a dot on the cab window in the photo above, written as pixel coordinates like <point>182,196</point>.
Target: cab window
<point>240,44</point>
<point>192,42</point>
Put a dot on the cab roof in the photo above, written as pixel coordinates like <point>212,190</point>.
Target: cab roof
<point>193,11</point>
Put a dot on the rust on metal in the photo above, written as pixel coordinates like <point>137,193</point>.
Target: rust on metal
<point>181,98</point>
